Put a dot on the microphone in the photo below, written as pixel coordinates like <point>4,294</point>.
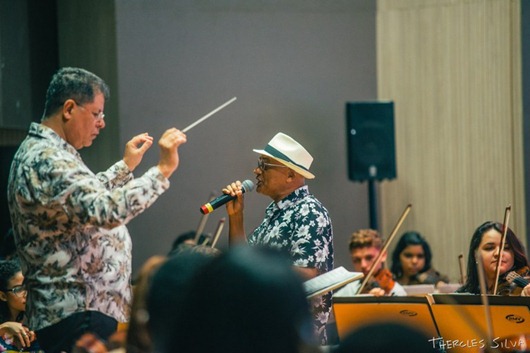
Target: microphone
<point>247,185</point>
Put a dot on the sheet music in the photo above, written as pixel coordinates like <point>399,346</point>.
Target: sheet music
<point>329,281</point>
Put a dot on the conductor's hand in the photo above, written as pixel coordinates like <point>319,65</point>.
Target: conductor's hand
<point>235,206</point>
<point>169,157</point>
<point>135,150</point>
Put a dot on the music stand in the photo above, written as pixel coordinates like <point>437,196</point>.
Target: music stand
<point>352,313</point>
<point>461,320</point>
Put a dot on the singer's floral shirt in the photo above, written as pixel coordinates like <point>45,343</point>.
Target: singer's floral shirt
<point>300,225</point>
<point>69,227</point>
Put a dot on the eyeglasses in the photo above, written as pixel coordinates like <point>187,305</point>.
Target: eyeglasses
<point>19,291</point>
<point>97,116</point>
<point>264,165</point>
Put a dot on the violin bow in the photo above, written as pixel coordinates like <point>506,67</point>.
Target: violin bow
<point>384,249</point>
<point>473,322</point>
<point>501,248</point>
<point>202,222</point>
<point>461,265</point>
<point>484,296</point>
<point>218,231</point>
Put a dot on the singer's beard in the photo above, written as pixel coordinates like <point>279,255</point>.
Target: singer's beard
<point>260,185</point>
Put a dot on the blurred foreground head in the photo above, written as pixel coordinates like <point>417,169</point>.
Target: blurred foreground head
<point>246,300</point>
<point>384,338</point>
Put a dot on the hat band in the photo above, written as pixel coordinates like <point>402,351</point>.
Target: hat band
<point>273,151</point>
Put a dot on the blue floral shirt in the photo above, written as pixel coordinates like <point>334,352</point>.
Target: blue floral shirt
<point>300,225</point>
<point>69,226</point>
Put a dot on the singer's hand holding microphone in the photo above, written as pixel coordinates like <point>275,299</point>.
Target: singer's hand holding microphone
<point>231,192</point>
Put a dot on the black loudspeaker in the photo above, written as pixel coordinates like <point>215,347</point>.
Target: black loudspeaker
<point>371,141</point>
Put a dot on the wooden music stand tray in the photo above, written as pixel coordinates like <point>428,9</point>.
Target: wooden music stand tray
<point>352,313</point>
<point>461,320</point>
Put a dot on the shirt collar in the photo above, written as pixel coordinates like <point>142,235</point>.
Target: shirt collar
<point>293,197</point>
<point>42,131</point>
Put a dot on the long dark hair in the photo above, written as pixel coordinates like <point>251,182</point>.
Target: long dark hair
<point>410,238</point>
<point>8,269</point>
<point>472,284</point>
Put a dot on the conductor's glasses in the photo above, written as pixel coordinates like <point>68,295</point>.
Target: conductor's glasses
<point>97,116</point>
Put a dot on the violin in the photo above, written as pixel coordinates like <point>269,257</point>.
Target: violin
<point>369,276</point>
<point>383,279</point>
<point>514,282</point>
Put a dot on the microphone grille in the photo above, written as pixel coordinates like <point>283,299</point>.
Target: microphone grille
<point>247,185</point>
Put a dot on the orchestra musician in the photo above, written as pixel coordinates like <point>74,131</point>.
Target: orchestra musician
<point>15,336</point>
<point>411,262</point>
<point>486,240</point>
<point>365,246</point>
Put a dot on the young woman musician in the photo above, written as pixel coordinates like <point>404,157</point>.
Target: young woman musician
<point>411,262</point>
<point>485,244</point>
<point>14,336</point>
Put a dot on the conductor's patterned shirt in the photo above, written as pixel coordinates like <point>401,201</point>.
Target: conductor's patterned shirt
<point>69,226</point>
<point>300,226</point>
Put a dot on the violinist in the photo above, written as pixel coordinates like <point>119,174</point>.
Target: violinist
<point>486,240</point>
<point>412,261</point>
<point>365,246</point>
<point>15,336</point>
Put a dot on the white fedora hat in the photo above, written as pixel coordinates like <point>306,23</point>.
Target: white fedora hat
<point>290,153</point>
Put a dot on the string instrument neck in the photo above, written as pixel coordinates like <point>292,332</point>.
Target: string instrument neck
<point>382,279</point>
<point>514,281</point>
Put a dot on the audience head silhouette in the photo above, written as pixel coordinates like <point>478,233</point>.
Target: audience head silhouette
<point>165,297</point>
<point>248,299</point>
<point>386,337</point>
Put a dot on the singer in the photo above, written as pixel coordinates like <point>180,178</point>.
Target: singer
<point>295,222</point>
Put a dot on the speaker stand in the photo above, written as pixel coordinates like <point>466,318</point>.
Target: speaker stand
<point>372,202</point>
